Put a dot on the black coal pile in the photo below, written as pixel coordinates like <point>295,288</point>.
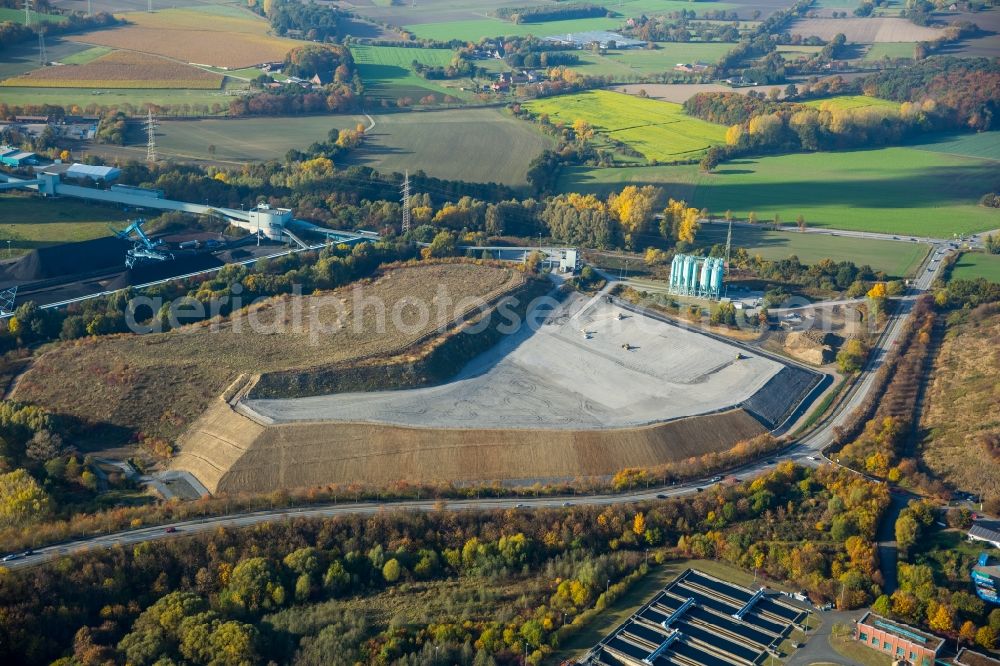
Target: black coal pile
<point>66,260</point>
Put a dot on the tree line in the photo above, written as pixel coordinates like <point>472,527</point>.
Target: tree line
<point>267,593</point>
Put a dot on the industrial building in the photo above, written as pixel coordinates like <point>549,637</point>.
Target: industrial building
<point>696,276</point>
<point>987,531</point>
<point>986,578</point>
<point>700,620</point>
<point>15,158</point>
<point>898,641</point>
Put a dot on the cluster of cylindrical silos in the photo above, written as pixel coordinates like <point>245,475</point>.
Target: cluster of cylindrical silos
<point>696,276</point>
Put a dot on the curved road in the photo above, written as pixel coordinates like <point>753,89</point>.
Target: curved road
<point>807,451</point>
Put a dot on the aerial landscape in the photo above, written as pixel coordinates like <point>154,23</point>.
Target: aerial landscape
<point>500,332</point>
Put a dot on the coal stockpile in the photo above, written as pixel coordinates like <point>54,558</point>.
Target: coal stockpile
<point>67,260</point>
<point>781,395</point>
<point>162,270</point>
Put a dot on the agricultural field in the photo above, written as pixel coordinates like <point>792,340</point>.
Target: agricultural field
<point>897,259</point>
<point>676,92</point>
<point>984,145</point>
<point>864,30</point>
<point>221,36</point>
<point>387,72</point>
<point>17,16</point>
<point>959,418</point>
<point>659,130</point>
<point>974,265</point>
<point>24,57</point>
<point>890,50</point>
<point>631,64</point>
<point>889,190</point>
<point>245,139</point>
<point>850,102</point>
<point>498,147</point>
<point>120,69</point>
<point>132,100</point>
<point>88,55</point>
<point>158,383</point>
<point>476,145</point>
<point>468,20</point>
<point>30,222</point>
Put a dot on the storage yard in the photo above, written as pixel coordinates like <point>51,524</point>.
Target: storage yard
<point>700,620</point>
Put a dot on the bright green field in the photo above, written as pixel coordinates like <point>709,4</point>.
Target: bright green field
<point>474,30</point>
<point>890,190</point>
<point>984,145</point>
<point>387,71</point>
<point>891,50</point>
<point>973,265</point>
<point>478,28</point>
<point>17,16</point>
<point>852,102</point>
<point>896,258</point>
<point>32,222</point>
<point>639,63</point>
<point>659,130</point>
<point>90,55</point>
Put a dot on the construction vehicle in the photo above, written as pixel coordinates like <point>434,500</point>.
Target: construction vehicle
<point>144,248</point>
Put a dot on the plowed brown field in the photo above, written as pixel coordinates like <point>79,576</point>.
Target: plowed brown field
<point>192,36</point>
<point>121,69</point>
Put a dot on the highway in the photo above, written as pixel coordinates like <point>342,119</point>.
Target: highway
<point>806,451</point>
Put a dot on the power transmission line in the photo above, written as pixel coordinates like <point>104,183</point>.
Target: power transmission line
<point>43,56</point>
<point>406,202</point>
<point>729,244</point>
<point>151,126</point>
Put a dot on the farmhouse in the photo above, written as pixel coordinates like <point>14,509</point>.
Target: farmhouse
<point>603,38</point>
<point>697,67</point>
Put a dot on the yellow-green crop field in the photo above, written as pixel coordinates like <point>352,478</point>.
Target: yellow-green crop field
<point>661,131</point>
<point>851,102</point>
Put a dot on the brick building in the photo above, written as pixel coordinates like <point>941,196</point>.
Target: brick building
<point>898,641</point>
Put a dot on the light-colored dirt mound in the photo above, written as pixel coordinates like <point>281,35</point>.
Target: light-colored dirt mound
<point>231,453</point>
<point>805,347</point>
